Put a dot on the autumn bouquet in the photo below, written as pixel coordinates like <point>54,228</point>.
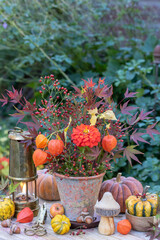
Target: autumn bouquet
<point>79,132</point>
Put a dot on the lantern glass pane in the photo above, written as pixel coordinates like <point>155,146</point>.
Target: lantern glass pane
<point>20,195</point>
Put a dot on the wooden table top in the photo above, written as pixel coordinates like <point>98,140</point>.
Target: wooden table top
<point>90,234</point>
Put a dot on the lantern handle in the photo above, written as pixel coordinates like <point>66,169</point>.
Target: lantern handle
<point>16,129</point>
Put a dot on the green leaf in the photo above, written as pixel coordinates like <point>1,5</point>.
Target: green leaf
<point>110,43</point>
<point>32,46</point>
<point>149,44</point>
<point>5,164</point>
<point>155,176</point>
<point>113,66</point>
<point>130,75</point>
<point>4,183</point>
<point>13,187</point>
<point>5,171</point>
<point>140,92</point>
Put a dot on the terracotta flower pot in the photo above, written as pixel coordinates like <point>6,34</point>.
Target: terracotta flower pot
<point>77,193</point>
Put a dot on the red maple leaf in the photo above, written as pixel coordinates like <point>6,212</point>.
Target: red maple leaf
<point>33,132</point>
<point>101,81</point>
<point>105,91</point>
<point>131,94</point>
<point>153,231</point>
<point>129,153</point>
<point>137,137</point>
<point>133,120</point>
<point>29,107</point>
<point>106,157</point>
<point>94,153</point>
<point>15,95</point>
<point>78,91</point>
<point>35,124</point>
<point>150,130</point>
<point>4,100</point>
<point>19,115</point>
<point>125,109</point>
<point>144,115</point>
<point>90,83</point>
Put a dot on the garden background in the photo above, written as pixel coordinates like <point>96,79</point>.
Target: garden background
<point>83,39</point>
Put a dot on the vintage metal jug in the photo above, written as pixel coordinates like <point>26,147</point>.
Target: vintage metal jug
<point>23,171</point>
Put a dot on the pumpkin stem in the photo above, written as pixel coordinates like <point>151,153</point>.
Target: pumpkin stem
<point>145,191</point>
<point>118,178</point>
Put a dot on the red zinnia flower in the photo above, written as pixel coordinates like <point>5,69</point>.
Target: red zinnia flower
<point>86,135</point>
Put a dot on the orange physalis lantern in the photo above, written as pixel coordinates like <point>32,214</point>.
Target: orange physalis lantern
<point>25,215</point>
<point>41,141</point>
<point>55,147</point>
<point>109,142</point>
<point>39,157</point>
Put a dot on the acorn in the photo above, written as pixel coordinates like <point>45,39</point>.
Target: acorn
<point>14,229</point>
<point>80,219</point>
<point>6,223</point>
<point>85,211</point>
<point>88,219</point>
<point>10,231</point>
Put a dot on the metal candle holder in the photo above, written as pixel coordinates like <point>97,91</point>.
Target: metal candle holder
<point>23,171</point>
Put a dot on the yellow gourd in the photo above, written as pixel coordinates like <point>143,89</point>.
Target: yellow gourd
<point>144,205</point>
<point>60,224</point>
<point>7,208</point>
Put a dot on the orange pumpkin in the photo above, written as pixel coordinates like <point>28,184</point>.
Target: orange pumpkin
<point>55,147</point>
<point>47,186</point>
<point>121,188</point>
<point>41,141</point>
<point>124,226</point>
<point>109,142</point>
<point>39,157</point>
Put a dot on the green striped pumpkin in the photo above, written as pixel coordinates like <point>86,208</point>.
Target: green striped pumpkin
<point>142,206</point>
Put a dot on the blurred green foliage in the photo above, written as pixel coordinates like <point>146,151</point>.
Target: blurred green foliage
<point>73,39</point>
<point>4,142</point>
<point>80,39</point>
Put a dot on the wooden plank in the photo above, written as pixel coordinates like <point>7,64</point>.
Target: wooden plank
<point>140,235</point>
<point>129,237</point>
<point>91,234</point>
<point>4,235</point>
<point>96,236</point>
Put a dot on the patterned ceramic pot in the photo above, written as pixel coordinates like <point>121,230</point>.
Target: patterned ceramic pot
<point>77,193</point>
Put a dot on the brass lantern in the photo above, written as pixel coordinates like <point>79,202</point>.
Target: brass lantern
<point>23,171</point>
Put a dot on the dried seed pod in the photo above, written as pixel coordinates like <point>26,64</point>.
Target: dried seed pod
<point>88,219</point>
<point>6,223</point>
<point>80,219</point>
<point>15,229</point>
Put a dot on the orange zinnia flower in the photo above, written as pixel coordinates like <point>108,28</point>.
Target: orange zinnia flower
<point>86,135</point>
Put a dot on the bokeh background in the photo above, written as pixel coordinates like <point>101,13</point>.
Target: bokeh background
<point>82,39</point>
